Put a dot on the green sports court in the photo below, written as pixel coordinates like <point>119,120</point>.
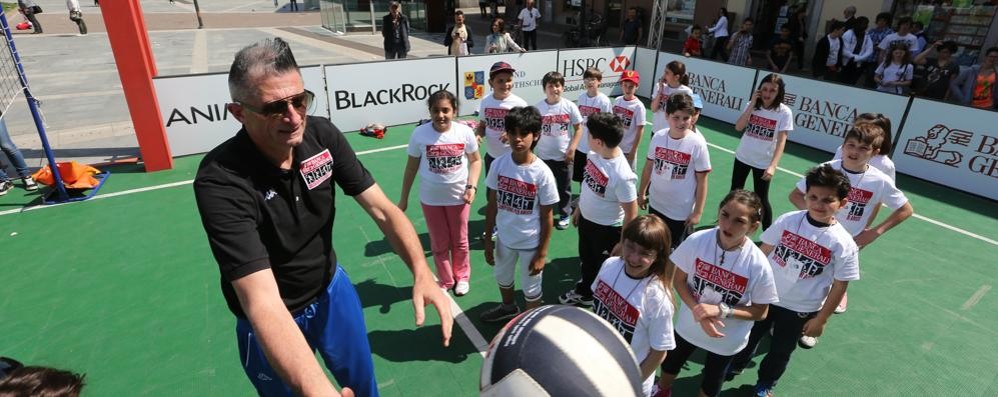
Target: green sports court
<point>123,287</point>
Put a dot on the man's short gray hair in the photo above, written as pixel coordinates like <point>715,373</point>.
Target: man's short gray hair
<point>269,57</point>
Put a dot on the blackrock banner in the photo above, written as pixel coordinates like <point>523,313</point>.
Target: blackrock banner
<point>823,112</point>
<point>952,145</point>
<point>194,113</point>
<point>390,93</point>
<point>612,61</point>
<point>645,65</point>
<point>725,89</point>
<point>473,76</point>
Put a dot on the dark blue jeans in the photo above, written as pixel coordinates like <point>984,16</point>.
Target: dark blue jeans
<point>13,153</point>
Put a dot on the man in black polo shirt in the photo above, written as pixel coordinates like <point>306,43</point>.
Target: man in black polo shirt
<point>266,199</point>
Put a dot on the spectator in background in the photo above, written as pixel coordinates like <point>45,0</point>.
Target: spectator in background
<point>395,30</point>
<point>499,41</point>
<point>877,35</point>
<point>778,56</point>
<point>528,25</point>
<point>482,7</point>
<point>902,37</point>
<point>459,38</point>
<point>632,30</point>
<point>798,34</point>
<point>933,75</point>
<point>294,5</point>
<point>857,51</point>
<point>828,53</point>
<point>895,73</point>
<point>17,159</point>
<point>849,13</point>
<point>29,9</point>
<point>76,15</point>
<point>740,45</point>
<point>720,32</point>
<point>918,29</point>
<point>976,85</point>
<point>692,46</point>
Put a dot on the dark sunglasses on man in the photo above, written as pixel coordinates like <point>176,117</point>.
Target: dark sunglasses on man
<point>277,109</point>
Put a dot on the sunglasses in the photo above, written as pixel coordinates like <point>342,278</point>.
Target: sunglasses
<point>277,109</point>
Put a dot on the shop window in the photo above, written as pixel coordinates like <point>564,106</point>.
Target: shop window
<point>965,22</point>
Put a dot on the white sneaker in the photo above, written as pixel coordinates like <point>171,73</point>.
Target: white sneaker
<point>807,342</point>
<point>462,288</point>
<point>29,184</point>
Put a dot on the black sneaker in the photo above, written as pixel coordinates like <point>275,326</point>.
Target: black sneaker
<point>5,187</point>
<point>500,313</point>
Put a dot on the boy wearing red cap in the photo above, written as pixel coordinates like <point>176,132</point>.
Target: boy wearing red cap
<point>632,112</point>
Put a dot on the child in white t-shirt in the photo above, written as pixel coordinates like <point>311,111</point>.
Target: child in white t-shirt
<point>561,129</point>
<point>765,125</point>
<point>521,201</point>
<point>881,160</point>
<point>607,202</point>
<point>590,102</point>
<point>445,155</point>
<point>676,171</point>
<point>725,285</point>
<point>492,111</point>
<point>632,112</point>
<point>895,74</point>
<point>813,259</point>
<point>632,292</point>
<point>674,80</point>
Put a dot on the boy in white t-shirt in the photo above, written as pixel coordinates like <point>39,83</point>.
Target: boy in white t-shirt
<point>561,128</point>
<point>492,111</point>
<point>590,102</point>
<point>607,202</point>
<point>676,171</point>
<point>813,259</point>
<point>632,112</point>
<point>903,37</point>
<point>521,201</point>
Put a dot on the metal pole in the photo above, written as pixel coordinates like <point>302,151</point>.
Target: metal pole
<point>197,11</point>
<point>374,27</point>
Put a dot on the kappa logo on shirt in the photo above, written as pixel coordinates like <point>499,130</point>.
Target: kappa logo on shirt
<point>679,162</point>
<point>615,309</point>
<point>444,158</point>
<point>795,250</point>
<point>515,196</point>
<point>858,200</point>
<point>495,118</point>
<point>625,114</point>
<point>555,125</point>
<point>317,169</point>
<point>761,128</point>
<point>595,179</point>
<point>710,279</point>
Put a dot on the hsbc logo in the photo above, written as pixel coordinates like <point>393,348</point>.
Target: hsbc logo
<point>577,67</point>
<point>620,64</point>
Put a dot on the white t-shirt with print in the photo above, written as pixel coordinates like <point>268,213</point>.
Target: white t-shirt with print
<point>492,112</point>
<point>894,73</point>
<point>639,309</point>
<point>587,107</point>
<point>521,190</point>
<point>606,183</point>
<point>443,168</point>
<point>557,128</point>
<point>633,115</point>
<point>880,162</point>
<point>659,119</point>
<point>672,191</point>
<point>867,190</point>
<point>758,143</point>
<point>744,278</point>
<point>806,259</point>
<point>909,39</point>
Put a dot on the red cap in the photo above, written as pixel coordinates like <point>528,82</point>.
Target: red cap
<point>500,67</point>
<point>632,76</point>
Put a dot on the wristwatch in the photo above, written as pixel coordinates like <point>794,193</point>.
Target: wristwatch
<point>467,187</point>
<point>725,309</point>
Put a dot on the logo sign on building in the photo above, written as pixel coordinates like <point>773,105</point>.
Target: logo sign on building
<point>959,149</point>
<point>725,89</point>
<point>644,63</point>
<point>389,93</point>
<point>611,61</point>
<point>823,112</point>
<point>473,75</point>
<point>194,108</point>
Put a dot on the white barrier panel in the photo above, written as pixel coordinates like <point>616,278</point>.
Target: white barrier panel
<point>724,89</point>
<point>952,145</point>
<point>473,72</point>
<point>645,65</point>
<point>823,112</point>
<point>612,61</point>
<point>193,109</point>
<point>387,92</point>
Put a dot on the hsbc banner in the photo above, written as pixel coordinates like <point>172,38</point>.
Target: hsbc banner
<point>390,93</point>
<point>612,61</point>
<point>823,112</point>
<point>724,89</point>
<point>193,108</point>
<point>952,145</point>
<point>644,63</point>
<point>473,77</point>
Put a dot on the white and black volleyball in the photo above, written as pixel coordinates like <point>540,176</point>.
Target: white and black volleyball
<point>560,350</point>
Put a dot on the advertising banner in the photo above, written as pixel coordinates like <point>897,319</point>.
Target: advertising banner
<point>724,89</point>
<point>952,145</point>
<point>386,92</point>
<point>612,61</point>
<point>473,76</point>
<point>644,62</point>
<point>823,111</point>
<point>194,113</point>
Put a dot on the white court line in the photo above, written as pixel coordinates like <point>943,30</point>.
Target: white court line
<point>976,297</point>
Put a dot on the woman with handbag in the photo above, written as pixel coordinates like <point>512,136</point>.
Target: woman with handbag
<point>29,9</point>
